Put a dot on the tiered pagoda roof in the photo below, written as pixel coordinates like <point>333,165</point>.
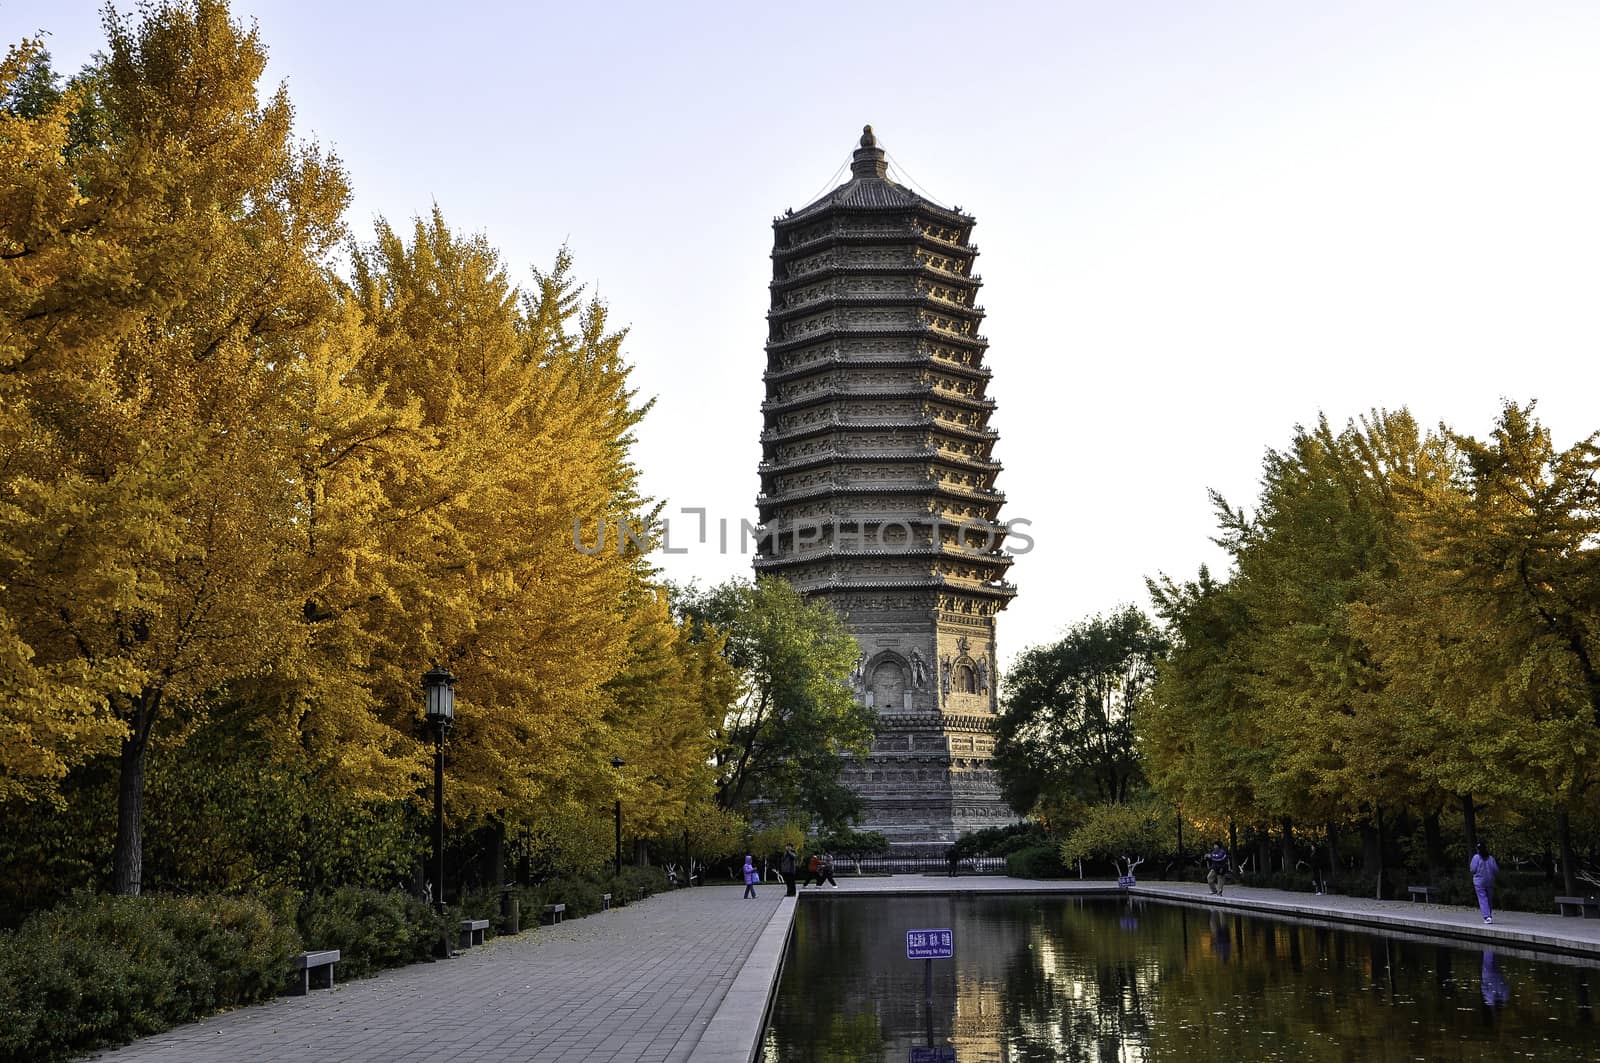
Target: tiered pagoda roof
<point>872,322</point>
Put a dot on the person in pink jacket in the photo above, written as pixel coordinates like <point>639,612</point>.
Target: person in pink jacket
<point>1484,870</point>
<point>751,876</point>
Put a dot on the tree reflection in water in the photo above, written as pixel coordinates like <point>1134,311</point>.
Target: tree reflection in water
<point>1046,979</point>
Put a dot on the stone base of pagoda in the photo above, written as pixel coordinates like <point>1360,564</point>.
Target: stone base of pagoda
<point>924,802</point>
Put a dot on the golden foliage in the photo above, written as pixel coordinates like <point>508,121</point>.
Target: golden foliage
<point>239,492</point>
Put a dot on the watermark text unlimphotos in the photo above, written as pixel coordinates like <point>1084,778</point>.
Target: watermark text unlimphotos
<point>971,535</point>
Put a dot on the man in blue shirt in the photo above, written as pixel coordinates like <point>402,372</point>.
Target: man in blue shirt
<point>1216,867</point>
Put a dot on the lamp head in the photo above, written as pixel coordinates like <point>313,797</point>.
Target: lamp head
<point>438,687</point>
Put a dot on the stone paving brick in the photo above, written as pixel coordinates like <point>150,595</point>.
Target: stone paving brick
<point>635,983</point>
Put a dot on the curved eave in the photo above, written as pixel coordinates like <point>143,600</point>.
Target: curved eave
<point>909,361</point>
<point>923,301</point>
<point>915,269</point>
<point>767,503</point>
<point>920,393</point>
<point>997,562</point>
<point>873,238</point>
<point>901,200</point>
<point>928,424</point>
<point>976,343</point>
<point>922,456</point>
<point>834,584</point>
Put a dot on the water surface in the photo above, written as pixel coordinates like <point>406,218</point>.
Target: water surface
<point>1112,978</point>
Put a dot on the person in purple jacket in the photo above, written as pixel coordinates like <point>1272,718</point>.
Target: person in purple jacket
<point>751,876</point>
<point>1484,870</point>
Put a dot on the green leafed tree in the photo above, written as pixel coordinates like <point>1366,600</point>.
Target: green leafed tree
<point>1196,729</point>
<point>1498,636</point>
<point>783,745</point>
<point>1126,833</point>
<point>1066,734</point>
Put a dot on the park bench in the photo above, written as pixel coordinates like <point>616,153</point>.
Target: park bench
<point>472,931</point>
<point>306,962</point>
<point>605,902</point>
<point>1421,893</point>
<point>1583,906</point>
<point>553,913</point>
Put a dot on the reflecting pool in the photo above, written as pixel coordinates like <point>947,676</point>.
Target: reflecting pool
<point>1038,978</point>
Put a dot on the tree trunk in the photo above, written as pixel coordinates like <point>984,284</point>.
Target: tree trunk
<point>1569,870</point>
<point>1288,845</point>
<point>1378,817</point>
<point>1263,852</point>
<point>497,855</point>
<point>128,856</point>
<point>1233,839</point>
<point>1433,843</point>
<point>1333,855</point>
<point>1469,823</point>
<point>1370,858</point>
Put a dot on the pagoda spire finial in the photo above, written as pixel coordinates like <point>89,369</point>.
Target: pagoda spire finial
<point>868,160</point>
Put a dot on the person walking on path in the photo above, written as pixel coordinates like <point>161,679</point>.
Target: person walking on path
<point>1484,872</point>
<point>1216,868</point>
<point>751,876</point>
<point>813,871</point>
<point>825,871</point>
<point>788,864</point>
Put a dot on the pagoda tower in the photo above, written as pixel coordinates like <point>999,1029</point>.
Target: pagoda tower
<point>878,485</point>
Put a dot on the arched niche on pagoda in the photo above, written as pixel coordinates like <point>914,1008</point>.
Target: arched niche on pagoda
<point>888,681</point>
<point>965,679</point>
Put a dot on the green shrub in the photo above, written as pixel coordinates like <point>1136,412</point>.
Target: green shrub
<point>372,929</point>
<point>581,892</point>
<point>1036,861</point>
<point>100,969</point>
<point>652,879</point>
<point>854,842</point>
<point>999,841</point>
<point>1515,891</point>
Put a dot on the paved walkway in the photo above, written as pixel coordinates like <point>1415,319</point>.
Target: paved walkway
<point>637,983</point>
<point>683,978</point>
<point>1523,930</point>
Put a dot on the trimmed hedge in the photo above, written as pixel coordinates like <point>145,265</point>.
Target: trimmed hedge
<point>1000,841</point>
<point>100,969</point>
<point>103,970</point>
<point>372,929</point>
<point>580,893</point>
<point>1516,891</point>
<point>1036,861</point>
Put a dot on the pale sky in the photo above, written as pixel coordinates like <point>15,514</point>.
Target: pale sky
<point>1200,224</point>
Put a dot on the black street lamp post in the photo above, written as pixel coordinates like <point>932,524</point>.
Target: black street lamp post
<point>438,686</point>
<point>618,762</point>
